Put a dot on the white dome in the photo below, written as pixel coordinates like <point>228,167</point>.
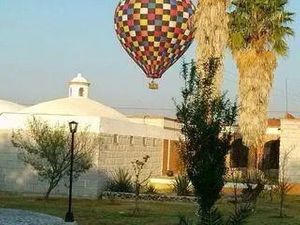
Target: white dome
<point>6,106</point>
<point>75,106</point>
<point>79,79</point>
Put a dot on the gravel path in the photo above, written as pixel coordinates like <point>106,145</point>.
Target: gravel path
<point>21,217</point>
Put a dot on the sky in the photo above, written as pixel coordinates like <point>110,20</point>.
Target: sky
<point>44,44</point>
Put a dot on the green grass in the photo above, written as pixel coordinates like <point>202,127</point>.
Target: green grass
<point>106,212</point>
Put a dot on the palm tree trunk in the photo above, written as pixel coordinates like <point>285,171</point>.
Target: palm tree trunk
<point>252,159</point>
<point>256,72</point>
<point>211,35</point>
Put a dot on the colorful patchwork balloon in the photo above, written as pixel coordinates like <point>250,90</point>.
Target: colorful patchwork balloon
<point>155,33</point>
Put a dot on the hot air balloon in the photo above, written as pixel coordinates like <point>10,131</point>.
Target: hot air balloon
<point>155,33</point>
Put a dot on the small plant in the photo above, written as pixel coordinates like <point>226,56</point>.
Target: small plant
<point>121,181</point>
<point>240,216</point>
<point>138,167</point>
<point>214,217</point>
<point>182,185</point>
<point>271,189</point>
<point>183,220</point>
<point>283,185</point>
<point>255,182</point>
<point>234,177</point>
<point>150,189</point>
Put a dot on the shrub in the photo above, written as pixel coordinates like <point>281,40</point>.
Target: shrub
<point>207,122</point>
<point>150,189</point>
<point>138,167</point>
<point>183,220</point>
<point>214,217</point>
<point>121,182</point>
<point>182,186</point>
<point>46,148</point>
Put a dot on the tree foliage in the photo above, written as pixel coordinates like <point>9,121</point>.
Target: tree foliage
<point>47,149</point>
<point>260,25</point>
<point>206,125</point>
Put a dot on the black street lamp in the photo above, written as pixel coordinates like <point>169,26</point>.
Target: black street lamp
<point>73,129</point>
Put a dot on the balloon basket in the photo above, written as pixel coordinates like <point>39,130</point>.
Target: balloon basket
<point>153,85</point>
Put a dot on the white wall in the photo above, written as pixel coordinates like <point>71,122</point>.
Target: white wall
<point>111,126</point>
<point>16,177</point>
<point>290,141</point>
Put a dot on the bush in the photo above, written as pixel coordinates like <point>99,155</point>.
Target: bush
<point>150,189</point>
<point>183,220</point>
<point>121,182</point>
<point>182,185</point>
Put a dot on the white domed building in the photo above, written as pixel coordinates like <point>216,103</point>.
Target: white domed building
<point>7,107</point>
<point>125,139</point>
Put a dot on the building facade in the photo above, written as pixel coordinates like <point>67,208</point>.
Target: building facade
<point>124,139</point>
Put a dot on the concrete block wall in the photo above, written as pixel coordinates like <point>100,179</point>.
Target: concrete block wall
<point>120,154</point>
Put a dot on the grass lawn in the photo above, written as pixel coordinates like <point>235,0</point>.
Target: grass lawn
<point>105,212</point>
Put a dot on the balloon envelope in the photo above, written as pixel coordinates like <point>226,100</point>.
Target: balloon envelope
<point>155,33</point>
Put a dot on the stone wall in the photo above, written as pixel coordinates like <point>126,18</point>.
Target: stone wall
<point>121,152</point>
<point>115,152</point>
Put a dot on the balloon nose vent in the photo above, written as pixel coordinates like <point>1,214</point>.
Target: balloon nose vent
<point>153,85</point>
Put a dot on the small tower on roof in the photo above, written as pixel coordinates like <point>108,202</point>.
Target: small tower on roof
<point>79,87</point>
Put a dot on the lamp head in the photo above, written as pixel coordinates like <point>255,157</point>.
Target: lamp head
<point>73,126</point>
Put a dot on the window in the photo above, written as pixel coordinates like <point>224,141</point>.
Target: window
<point>154,141</point>
<point>145,142</point>
<point>81,92</point>
<point>131,140</point>
<point>116,139</point>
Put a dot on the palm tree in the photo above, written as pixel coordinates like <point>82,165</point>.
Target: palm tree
<point>211,23</point>
<point>257,37</point>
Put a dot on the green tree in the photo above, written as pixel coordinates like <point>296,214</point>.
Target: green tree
<point>258,32</point>
<point>206,120</point>
<point>47,149</point>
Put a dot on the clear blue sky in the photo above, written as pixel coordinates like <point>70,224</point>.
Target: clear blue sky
<point>43,44</point>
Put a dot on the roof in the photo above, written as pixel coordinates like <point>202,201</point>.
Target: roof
<point>289,116</point>
<point>7,106</point>
<point>274,122</point>
<point>143,116</point>
<point>79,79</point>
<point>76,107</point>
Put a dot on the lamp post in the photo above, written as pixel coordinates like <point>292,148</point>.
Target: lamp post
<point>73,129</point>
